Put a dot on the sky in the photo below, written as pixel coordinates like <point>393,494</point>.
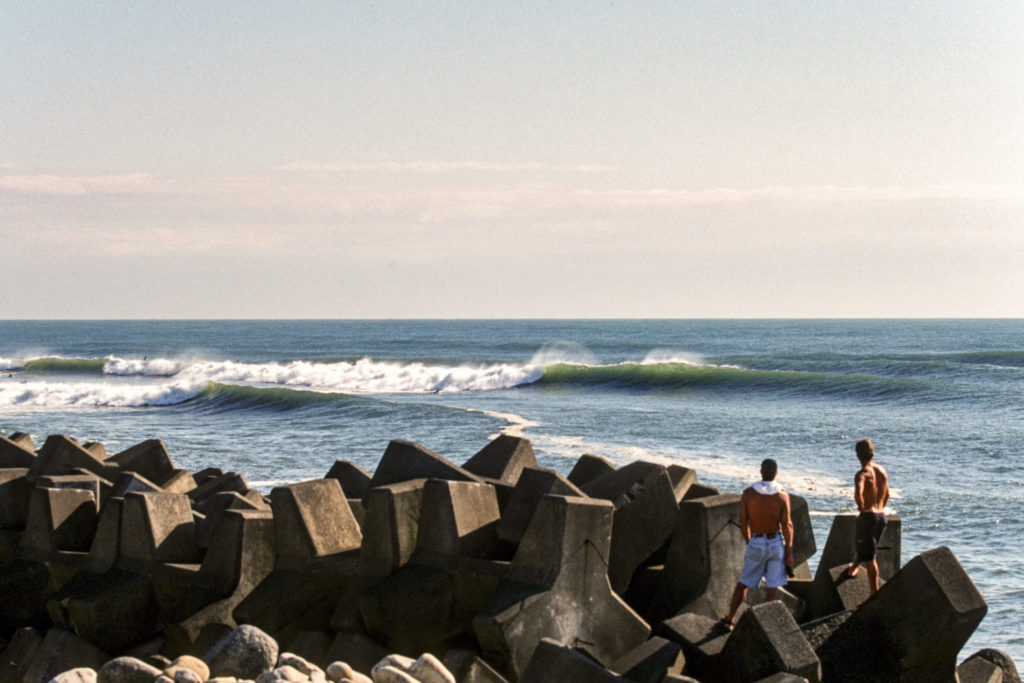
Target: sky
<point>511,160</point>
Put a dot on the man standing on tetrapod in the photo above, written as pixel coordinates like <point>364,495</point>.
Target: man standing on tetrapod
<point>768,530</point>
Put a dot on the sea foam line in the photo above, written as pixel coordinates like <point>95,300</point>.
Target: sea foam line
<point>95,395</point>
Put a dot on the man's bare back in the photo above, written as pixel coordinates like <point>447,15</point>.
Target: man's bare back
<point>871,488</point>
<point>763,514</point>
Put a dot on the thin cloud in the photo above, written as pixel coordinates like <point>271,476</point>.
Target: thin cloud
<point>440,167</point>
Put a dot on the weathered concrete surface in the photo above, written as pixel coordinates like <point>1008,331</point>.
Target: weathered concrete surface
<point>405,460</point>
<point>354,480</point>
<point>503,459</point>
<point>114,611</point>
<point>704,558</point>
<point>557,587</point>
<point>15,454</point>
<point>391,526</point>
<point>15,490</point>
<point>588,468</point>
<point>645,515</point>
<point>841,549</point>
<point>533,484</point>
<point>149,459</point>
<point>767,640</point>
<point>553,662</point>
<point>701,638</point>
<point>312,519</point>
<point>468,667</point>
<point>988,665</point>
<point>156,527</point>
<point>61,454</point>
<point>59,519</point>
<point>651,661</point>
<point>463,520</point>
<point>914,627</point>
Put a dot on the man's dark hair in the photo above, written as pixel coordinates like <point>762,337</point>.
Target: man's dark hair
<point>769,468</point>
<point>865,451</point>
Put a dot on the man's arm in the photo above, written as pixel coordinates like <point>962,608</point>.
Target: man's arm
<point>744,518</point>
<point>786,522</point>
<point>858,490</point>
<point>883,477</point>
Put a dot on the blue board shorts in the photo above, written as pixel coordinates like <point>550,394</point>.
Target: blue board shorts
<point>764,557</point>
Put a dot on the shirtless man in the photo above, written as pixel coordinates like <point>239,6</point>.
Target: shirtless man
<point>768,530</point>
<point>871,492</point>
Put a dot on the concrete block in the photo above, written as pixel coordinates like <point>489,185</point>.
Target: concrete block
<point>287,601</point>
<point>181,481</point>
<point>468,667</point>
<point>312,519</point>
<point>354,480</point>
<point>157,527</point>
<point>840,591</point>
<point>463,519</point>
<point>804,547</point>
<point>15,658</point>
<point>841,546</point>
<point>25,588</point>
<point>14,454</point>
<point>698,490</point>
<point>241,554</point>
<point>310,645</point>
<point>560,565</point>
<point>820,630</point>
<point>106,542</point>
<point>701,638</point>
<point>987,665</point>
<point>588,468</point>
<point>391,526</point>
<point>24,440</point>
<point>405,460</point>
<point>418,608</point>
<point>767,640</point>
<point>503,459</point>
<point>61,454</point>
<point>356,649</point>
<point>132,482</point>
<point>59,652</point>
<point>15,490</point>
<point>533,484</point>
<point>704,558</point>
<point>645,515</point>
<point>682,479</point>
<point>220,502</point>
<point>149,459</point>
<point>651,661</point>
<point>553,662</point>
<point>203,492</point>
<point>84,480</point>
<point>915,625</point>
<point>59,519</point>
<point>114,611</point>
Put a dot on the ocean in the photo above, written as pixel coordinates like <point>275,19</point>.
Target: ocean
<point>280,401</point>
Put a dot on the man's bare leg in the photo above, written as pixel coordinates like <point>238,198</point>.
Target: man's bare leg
<point>739,593</point>
<point>770,594</point>
<point>873,575</point>
<point>853,569</point>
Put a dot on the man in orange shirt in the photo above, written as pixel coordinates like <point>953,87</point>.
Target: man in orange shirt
<point>768,530</point>
<point>870,492</point>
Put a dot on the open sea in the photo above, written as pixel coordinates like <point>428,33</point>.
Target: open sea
<point>280,401</point>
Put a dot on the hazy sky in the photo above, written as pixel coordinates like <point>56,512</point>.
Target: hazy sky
<point>570,159</point>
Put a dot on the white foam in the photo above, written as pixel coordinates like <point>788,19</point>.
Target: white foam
<point>705,464</point>
<point>566,352</point>
<point>660,356</point>
<point>514,425</point>
<point>9,364</point>
<point>366,376</point>
<point>95,395</point>
<point>158,367</point>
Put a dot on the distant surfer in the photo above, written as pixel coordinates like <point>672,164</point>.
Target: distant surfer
<point>767,528</point>
<point>870,492</point>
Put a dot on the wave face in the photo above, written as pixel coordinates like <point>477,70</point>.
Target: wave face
<point>659,371</point>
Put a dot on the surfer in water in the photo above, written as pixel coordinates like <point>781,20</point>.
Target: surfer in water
<point>870,492</point>
<point>768,530</point>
